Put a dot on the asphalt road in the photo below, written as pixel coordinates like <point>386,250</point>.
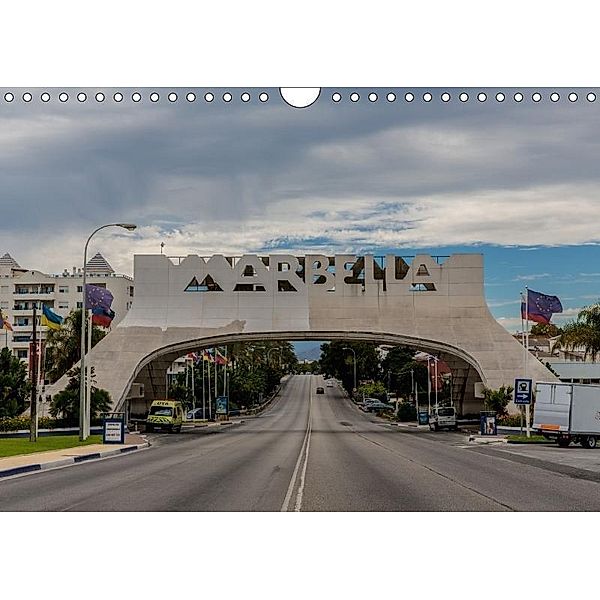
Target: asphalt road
<point>308,452</point>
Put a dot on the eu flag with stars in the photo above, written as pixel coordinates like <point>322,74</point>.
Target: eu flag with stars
<point>540,307</point>
<point>98,300</point>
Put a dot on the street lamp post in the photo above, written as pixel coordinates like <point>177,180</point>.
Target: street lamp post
<point>354,353</point>
<point>435,367</point>
<point>85,404</point>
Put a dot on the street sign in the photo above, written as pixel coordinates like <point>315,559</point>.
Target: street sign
<point>113,430</point>
<point>523,391</point>
<point>222,405</point>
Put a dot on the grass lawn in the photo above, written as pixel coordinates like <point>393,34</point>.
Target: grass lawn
<point>523,439</point>
<point>14,446</point>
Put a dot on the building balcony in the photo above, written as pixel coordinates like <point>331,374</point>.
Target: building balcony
<point>31,295</point>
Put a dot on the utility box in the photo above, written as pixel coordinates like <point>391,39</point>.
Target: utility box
<point>488,423</point>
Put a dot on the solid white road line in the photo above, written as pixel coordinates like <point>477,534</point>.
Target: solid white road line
<point>298,506</point>
<point>303,454</point>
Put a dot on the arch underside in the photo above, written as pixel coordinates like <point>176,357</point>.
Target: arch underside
<point>152,368</point>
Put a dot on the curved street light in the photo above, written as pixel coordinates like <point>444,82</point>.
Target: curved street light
<point>85,406</point>
<point>269,354</point>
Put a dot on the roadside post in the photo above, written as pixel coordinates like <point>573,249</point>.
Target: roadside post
<point>113,428</point>
<point>523,396</point>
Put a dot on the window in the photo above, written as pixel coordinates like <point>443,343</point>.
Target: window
<point>63,289</point>
<point>3,289</point>
<point>161,411</point>
<point>21,338</point>
<point>79,290</point>
<point>22,321</point>
<point>63,305</point>
<point>4,304</point>
<point>21,353</point>
<point>131,291</point>
<point>80,305</point>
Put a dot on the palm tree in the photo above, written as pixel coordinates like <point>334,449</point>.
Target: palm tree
<point>584,332</point>
<point>63,345</point>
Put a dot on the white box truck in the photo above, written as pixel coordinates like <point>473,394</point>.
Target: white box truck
<point>568,412</point>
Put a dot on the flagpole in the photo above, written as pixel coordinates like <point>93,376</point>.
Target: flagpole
<point>435,370</point>
<point>193,388</point>
<point>527,409</point>
<point>225,375</point>
<point>203,393</point>
<point>428,386</point>
<point>209,393</point>
<point>88,373</point>
<point>524,348</point>
<point>33,420</point>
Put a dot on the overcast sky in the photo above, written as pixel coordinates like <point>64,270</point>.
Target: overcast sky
<point>516,181</point>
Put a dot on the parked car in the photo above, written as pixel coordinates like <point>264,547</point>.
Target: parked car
<point>376,406</point>
<point>443,416</point>
<point>195,414</point>
<point>320,390</point>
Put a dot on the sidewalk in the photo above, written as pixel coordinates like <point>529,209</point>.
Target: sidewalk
<point>40,461</point>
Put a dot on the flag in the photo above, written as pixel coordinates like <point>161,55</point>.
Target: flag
<point>102,316</point>
<point>221,360</point>
<point>50,319</point>
<point>194,357</point>
<point>540,307</point>
<point>442,370</point>
<point>98,300</point>
<point>207,356</point>
<point>4,322</point>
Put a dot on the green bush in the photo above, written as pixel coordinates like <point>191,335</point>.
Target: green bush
<point>406,412</point>
<point>512,420</point>
<point>498,399</point>
<point>23,423</point>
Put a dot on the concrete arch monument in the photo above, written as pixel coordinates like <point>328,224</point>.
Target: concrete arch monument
<point>432,303</point>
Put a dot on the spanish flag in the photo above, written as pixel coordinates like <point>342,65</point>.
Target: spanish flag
<point>50,319</point>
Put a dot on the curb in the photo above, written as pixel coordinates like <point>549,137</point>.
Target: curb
<point>487,440</point>
<point>68,461</point>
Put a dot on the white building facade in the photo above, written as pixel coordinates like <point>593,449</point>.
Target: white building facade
<point>21,289</point>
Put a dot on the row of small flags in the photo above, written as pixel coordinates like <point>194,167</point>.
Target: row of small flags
<point>97,299</point>
<point>211,356</point>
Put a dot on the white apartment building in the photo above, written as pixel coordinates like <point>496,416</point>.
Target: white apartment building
<point>21,288</point>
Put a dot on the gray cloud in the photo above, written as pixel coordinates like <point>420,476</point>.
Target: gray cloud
<point>234,177</point>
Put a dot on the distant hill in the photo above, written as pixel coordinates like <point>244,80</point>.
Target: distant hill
<point>307,350</point>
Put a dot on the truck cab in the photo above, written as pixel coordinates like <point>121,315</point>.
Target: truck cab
<point>165,415</point>
<point>443,416</point>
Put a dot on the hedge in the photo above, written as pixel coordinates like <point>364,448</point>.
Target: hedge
<point>20,423</point>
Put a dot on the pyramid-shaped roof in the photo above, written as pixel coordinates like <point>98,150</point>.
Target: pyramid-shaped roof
<point>8,261</point>
<point>98,264</point>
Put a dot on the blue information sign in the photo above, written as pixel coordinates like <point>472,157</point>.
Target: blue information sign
<point>222,405</point>
<point>523,391</point>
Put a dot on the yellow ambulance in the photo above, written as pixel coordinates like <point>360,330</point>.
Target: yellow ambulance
<point>165,415</point>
